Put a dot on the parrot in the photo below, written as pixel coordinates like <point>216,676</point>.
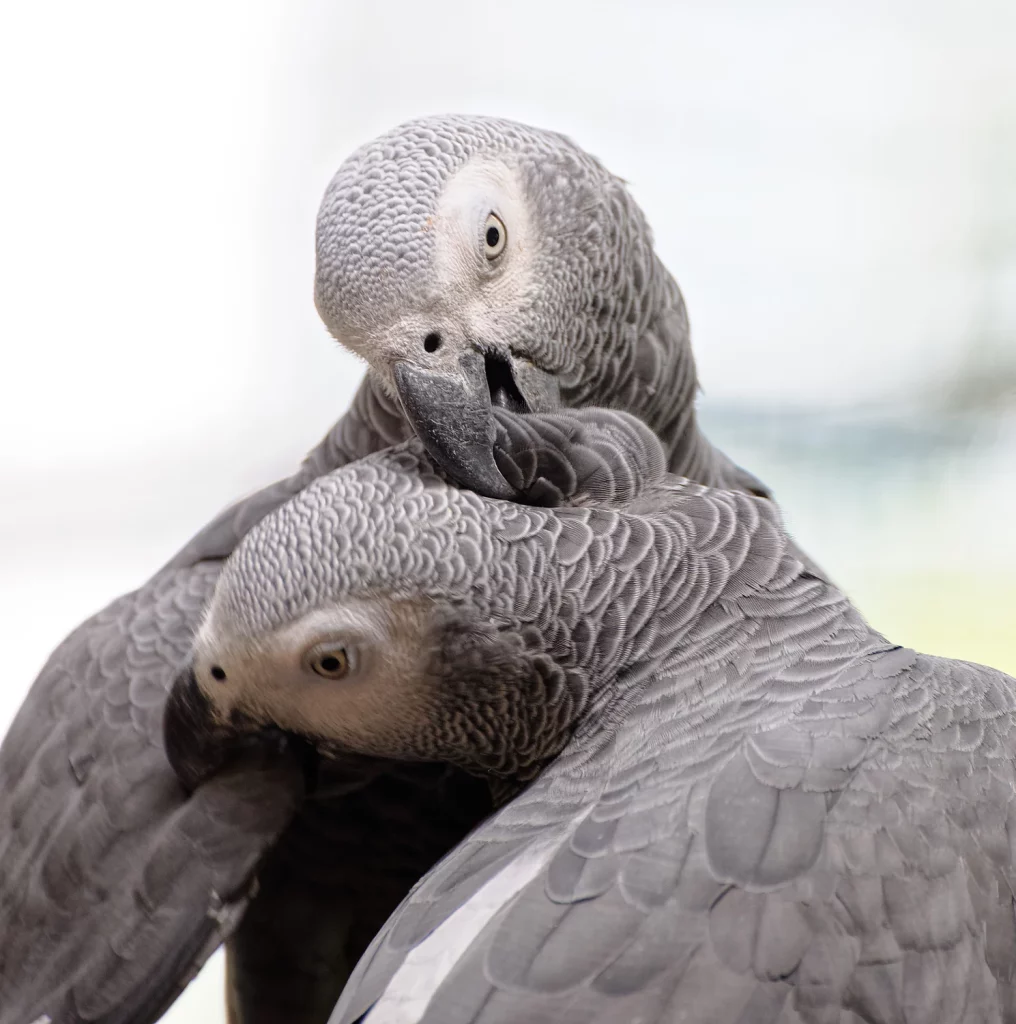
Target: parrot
<point>721,795</point>
<point>477,265</point>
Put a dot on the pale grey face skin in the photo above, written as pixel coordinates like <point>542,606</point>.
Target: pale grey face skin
<point>468,293</point>
<point>387,677</point>
<point>353,672</point>
<point>554,307</point>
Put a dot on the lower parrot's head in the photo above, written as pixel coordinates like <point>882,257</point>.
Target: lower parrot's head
<point>384,612</point>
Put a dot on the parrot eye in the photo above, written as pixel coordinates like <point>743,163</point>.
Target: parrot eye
<point>495,237</point>
<point>329,662</point>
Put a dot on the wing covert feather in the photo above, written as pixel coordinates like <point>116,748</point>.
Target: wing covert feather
<point>116,886</point>
<point>839,854</point>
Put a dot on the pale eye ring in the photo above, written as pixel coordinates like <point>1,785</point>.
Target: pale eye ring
<point>329,662</point>
<point>495,237</point>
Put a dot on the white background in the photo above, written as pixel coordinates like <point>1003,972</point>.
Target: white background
<point>831,184</point>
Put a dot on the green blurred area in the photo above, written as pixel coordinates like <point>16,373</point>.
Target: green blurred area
<point>911,512</point>
<point>966,615</point>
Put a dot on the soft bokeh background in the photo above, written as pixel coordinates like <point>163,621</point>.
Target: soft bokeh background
<point>834,185</point>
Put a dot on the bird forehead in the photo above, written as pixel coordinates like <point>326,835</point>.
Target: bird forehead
<point>415,161</point>
<point>376,524</point>
<point>384,197</point>
<point>379,225</point>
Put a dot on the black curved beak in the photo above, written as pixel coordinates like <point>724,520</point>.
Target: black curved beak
<point>196,744</point>
<point>452,413</point>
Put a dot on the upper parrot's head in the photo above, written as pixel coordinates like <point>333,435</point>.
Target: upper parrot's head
<point>384,612</point>
<point>476,262</point>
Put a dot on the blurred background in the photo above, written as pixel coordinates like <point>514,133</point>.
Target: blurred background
<point>833,185</point>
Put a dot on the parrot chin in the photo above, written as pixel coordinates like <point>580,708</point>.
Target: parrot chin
<point>452,414</point>
<point>199,747</point>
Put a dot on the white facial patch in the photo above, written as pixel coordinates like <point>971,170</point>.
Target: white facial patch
<point>483,290</point>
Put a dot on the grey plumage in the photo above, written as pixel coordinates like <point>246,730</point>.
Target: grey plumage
<point>586,314</point>
<point>577,309</point>
<point>591,316</point>
<point>755,807</point>
<point>115,888</point>
<point>99,845</point>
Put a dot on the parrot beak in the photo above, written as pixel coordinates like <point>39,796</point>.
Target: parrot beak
<point>452,413</point>
<point>196,745</point>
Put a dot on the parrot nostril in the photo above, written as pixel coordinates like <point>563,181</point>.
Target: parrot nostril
<point>432,342</point>
<point>218,673</point>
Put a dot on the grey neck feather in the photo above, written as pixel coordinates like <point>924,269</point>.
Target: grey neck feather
<point>696,630</point>
<point>665,388</point>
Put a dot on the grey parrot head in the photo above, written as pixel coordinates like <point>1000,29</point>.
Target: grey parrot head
<point>385,613</point>
<point>377,614</point>
<point>476,262</point>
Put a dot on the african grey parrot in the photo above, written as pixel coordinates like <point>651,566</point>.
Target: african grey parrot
<point>568,304</point>
<point>475,262</point>
<point>747,805</point>
<point>115,887</point>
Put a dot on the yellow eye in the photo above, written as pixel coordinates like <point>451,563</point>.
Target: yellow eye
<point>495,237</point>
<point>329,662</point>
